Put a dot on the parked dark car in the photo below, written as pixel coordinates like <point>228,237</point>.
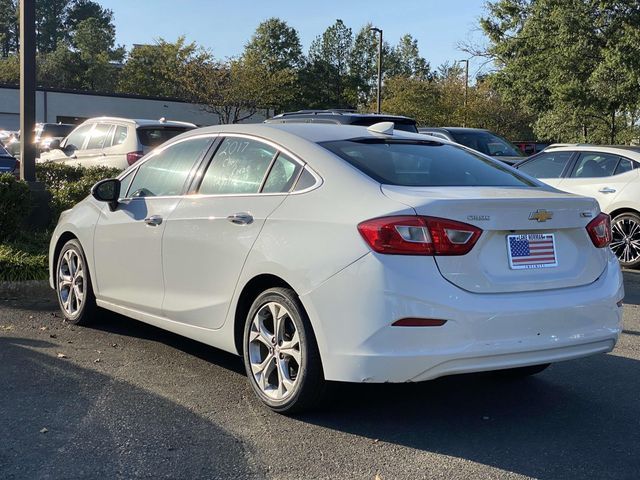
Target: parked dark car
<point>347,117</point>
<point>47,132</point>
<point>480,140</point>
<point>530,148</point>
<point>8,163</point>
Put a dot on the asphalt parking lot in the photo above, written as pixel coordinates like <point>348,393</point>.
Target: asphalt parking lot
<point>125,400</point>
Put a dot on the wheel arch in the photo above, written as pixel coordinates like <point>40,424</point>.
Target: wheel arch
<point>620,211</point>
<point>251,290</point>
<point>62,240</point>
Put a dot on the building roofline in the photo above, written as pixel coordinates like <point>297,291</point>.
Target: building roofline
<point>97,94</point>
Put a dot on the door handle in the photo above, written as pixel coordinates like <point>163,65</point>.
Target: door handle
<point>607,190</point>
<point>241,218</point>
<point>153,220</point>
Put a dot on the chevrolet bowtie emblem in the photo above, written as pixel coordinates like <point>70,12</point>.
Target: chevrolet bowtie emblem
<point>541,215</point>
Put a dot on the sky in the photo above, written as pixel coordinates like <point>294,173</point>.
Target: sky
<point>225,26</point>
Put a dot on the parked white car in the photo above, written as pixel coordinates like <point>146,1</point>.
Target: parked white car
<point>611,175</point>
<point>335,252</point>
<point>112,142</point>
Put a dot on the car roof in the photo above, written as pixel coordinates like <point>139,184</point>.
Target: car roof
<point>624,150</point>
<point>312,132</point>
<point>141,122</point>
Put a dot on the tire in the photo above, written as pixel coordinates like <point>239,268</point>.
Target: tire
<point>73,285</point>
<point>626,239</point>
<point>283,367</point>
<point>522,372</point>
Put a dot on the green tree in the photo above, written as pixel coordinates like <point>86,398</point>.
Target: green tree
<point>274,54</point>
<point>8,27</point>
<point>575,64</point>
<point>161,69</point>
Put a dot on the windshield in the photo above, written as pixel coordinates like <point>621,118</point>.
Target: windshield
<point>487,143</point>
<point>423,164</point>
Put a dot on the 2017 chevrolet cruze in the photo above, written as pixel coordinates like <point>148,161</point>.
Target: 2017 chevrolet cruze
<point>334,252</point>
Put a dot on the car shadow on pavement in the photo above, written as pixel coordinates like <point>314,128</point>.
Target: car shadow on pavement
<point>60,420</point>
<point>578,419</point>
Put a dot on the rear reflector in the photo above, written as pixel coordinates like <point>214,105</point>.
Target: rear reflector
<point>599,230</point>
<point>419,322</point>
<point>416,235</point>
<point>133,157</point>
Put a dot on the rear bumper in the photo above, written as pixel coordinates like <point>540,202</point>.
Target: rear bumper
<point>352,314</point>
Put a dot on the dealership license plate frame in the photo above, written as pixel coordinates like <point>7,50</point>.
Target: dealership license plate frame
<point>529,237</point>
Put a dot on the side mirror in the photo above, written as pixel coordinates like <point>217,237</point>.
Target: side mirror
<point>107,191</point>
<point>54,144</point>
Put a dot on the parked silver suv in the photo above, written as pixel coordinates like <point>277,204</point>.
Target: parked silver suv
<point>112,142</point>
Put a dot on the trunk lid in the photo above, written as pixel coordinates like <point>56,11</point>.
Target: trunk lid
<point>504,211</point>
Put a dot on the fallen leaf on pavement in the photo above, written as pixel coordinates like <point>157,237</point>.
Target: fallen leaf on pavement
<point>44,430</point>
<point>61,355</point>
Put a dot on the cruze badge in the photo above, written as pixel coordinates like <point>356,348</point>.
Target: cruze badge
<point>479,218</point>
<point>541,215</point>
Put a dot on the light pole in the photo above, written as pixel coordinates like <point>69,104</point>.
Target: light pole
<point>379,31</point>
<point>466,89</point>
<point>27,90</point>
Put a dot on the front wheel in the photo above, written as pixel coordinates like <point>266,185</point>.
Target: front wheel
<point>73,285</point>
<point>626,239</point>
<point>281,355</point>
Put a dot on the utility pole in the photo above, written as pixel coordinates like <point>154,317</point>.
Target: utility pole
<point>466,89</point>
<point>379,98</point>
<point>27,90</point>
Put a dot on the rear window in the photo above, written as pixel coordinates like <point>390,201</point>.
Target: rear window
<point>423,164</point>
<point>56,130</point>
<point>154,136</point>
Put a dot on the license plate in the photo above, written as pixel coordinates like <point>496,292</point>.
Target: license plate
<point>532,250</point>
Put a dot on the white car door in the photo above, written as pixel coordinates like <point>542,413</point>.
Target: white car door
<point>91,155</point>
<point>75,141</point>
<point>601,176</point>
<point>128,241</point>
<point>211,232</point>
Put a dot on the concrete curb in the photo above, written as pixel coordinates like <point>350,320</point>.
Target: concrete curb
<point>27,287</point>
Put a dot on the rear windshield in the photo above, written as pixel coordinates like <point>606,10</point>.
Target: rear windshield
<point>487,143</point>
<point>154,136</point>
<point>54,130</point>
<point>423,164</point>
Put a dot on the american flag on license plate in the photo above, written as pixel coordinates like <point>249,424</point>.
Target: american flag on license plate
<point>532,251</point>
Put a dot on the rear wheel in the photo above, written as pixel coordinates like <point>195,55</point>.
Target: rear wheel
<point>626,239</point>
<point>521,372</point>
<point>73,285</point>
<point>281,356</point>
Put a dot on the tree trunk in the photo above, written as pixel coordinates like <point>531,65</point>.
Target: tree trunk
<point>613,127</point>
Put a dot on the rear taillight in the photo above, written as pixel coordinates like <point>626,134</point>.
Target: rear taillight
<point>414,235</point>
<point>133,157</point>
<point>599,230</point>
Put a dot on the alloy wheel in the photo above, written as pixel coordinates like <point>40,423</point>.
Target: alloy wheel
<point>626,239</point>
<point>71,282</point>
<point>274,351</point>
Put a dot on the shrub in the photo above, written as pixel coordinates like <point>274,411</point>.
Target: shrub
<point>68,185</point>
<point>15,205</point>
<point>17,264</point>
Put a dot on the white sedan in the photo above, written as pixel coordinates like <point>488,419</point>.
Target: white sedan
<point>611,175</point>
<point>344,253</point>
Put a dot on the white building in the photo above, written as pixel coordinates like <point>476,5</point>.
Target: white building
<point>73,107</point>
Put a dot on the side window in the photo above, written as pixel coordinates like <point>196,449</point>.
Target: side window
<point>592,165</point>
<point>98,136</point>
<point>238,167</point>
<point>305,181</point>
<point>547,165</point>
<point>76,139</point>
<point>625,165</point>
<point>282,175</point>
<point>119,135</point>
<point>167,171</point>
